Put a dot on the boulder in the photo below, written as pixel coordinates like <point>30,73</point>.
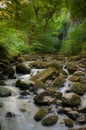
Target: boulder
<point>22,69</point>
<point>68,122</point>
<point>73,114</point>
<point>47,97</point>
<point>54,64</point>
<point>78,88</point>
<point>40,114</point>
<point>83,109</point>
<point>82,119</point>
<point>9,72</point>
<point>22,85</point>
<point>71,99</point>
<point>58,82</point>
<point>71,67</point>
<point>79,73</point>
<point>50,120</point>
<point>5,92</point>
<point>45,74</point>
<point>38,64</point>
<point>74,78</point>
<point>2,83</point>
<point>39,85</point>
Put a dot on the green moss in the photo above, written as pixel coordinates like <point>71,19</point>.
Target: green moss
<point>68,122</point>
<point>40,114</point>
<point>50,120</point>
<point>74,78</point>
<point>78,88</point>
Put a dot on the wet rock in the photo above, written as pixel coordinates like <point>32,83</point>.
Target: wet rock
<point>45,74</point>
<point>2,83</point>
<point>5,92</point>
<point>78,88</point>
<point>71,67</point>
<point>1,105</point>
<point>58,82</point>
<point>54,64</point>
<point>47,97</point>
<point>74,78</point>
<point>9,72</point>
<point>22,85</point>
<point>58,102</point>
<point>0,126</point>
<point>73,114</point>
<point>9,114</point>
<point>3,66</point>
<point>79,73</point>
<point>68,122</point>
<point>39,85</point>
<point>40,114</point>
<point>22,69</point>
<point>38,64</point>
<point>82,119</point>
<point>83,109</point>
<point>50,120</point>
<point>71,99</point>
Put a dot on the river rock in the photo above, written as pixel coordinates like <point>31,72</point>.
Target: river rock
<point>39,85</point>
<point>58,82</point>
<point>71,67</point>
<point>9,72</point>
<point>38,64</point>
<point>47,97</point>
<point>5,92</point>
<point>22,69</point>
<point>54,64</point>
<point>73,114</point>
<point>83,109</point>
<point>79,73</point>
<point>82,119</point>
<point>78,88</point>
<point>50,120</point>
<point>2,83</point>
<point>9,114</point>
<point>68,122</point>
<point>22,85</point>
<point>71,99</point>
<point>40,114</point>
<point>74,78</point>
<point>45,74</point>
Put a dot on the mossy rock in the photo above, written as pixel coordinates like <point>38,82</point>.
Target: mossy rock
<point>71,99</point>
<point>58,82</point>
<point>78,88</point>
<point>54,64</point>
<point>74,78</point>
<point>39,85</point>
<point>79,73</point>
<point>22,85</point>
<point>47,97</point>
<point>71,67</point>
<point>40,114</point>
<point>22,69</point>
<point>10,72</point>
<point>2,83</point>
<point>50,120</point>
<point>45,74</point>
<point>68,122</point>
<point>38,64</point>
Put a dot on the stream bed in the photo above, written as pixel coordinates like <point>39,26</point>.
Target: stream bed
<point>24,108</point>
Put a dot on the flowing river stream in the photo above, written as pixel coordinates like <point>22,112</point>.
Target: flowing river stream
<point>24,108</point>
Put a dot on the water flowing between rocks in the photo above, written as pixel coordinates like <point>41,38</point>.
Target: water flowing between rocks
<point>24,108</point>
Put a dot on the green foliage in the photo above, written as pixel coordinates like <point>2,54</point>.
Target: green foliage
<point>75,42</point>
